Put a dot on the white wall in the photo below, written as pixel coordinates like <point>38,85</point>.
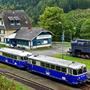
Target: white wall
<point>44,36</point>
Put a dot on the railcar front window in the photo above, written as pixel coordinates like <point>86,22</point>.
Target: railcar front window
<point>80,71</point>
<point>84,69</point>
<point>74,72</point>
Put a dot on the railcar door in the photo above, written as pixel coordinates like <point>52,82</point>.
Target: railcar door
<point>47,69</point>
<point>29,65</point>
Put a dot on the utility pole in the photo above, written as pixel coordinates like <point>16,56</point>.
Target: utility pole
<point>62,43</point>
<point>62,38</point>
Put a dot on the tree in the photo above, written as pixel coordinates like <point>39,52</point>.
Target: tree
<point>78,27</point>
<point>85,29</point>
<point>74,20</point>
<point>51,20</point>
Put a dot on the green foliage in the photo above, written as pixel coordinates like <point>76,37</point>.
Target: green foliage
<point>85,29</point>
<point>2,45</point>
<point>6,84</point>
<point>76,12</point>
<point>74,20</point>
<point>36,7</point>
<point>51,20</point>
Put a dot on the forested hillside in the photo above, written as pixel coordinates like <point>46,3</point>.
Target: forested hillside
<point>35,7</point>
<point>72,16</point>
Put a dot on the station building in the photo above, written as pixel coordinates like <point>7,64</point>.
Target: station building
<point>29,38</point>
<point>11,21</point>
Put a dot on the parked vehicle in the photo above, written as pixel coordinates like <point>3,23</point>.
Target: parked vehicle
<point>80,48</point>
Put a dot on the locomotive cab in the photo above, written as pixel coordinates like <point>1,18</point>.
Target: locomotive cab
<point>80,48</point>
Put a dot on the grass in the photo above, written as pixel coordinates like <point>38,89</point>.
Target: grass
<point>80,60</point>
<point>4,66</point>
<point>2,45</point>
<point>7,84</point>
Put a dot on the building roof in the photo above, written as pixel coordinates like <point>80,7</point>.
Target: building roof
<point>15,15</point>
<point>29,34</point>
<point>56,61</point>
<point>11,36</point>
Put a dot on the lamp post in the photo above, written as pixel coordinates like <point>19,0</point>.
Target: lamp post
<point>62,38</point>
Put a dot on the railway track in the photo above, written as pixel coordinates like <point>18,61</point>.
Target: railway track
<point>25,81</point>
<point>85,87</point>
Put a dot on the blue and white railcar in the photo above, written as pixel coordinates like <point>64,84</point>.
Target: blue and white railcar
<point>72,72</point>
<point>14,57</point>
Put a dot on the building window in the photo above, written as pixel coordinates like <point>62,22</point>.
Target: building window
<point>17,22</point>
<point>45,42</point>
<point>2,31</point>
<point>12,22</point>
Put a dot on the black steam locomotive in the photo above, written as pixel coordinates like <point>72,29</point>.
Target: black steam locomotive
<point>80,48</point>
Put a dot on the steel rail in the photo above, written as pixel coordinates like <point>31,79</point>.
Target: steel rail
<point>25,81</point>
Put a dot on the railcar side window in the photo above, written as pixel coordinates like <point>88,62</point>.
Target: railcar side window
<point>6,55</point>
<point>38,63</point>
<point>69,70</point>
<point>42,64</point>
<point>30,61</point>
<point>52,66</point>
<point>74,72</point>
<point>63,69</point>
<point>14,57</point>
<point>47,65</point>
<point>58,68</point>
<point>10,56</point>
<point>33,62</point>
<point>25,58</point>
<point>21,58</point>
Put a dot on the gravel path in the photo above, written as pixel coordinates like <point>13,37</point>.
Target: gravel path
<point>56,48</point>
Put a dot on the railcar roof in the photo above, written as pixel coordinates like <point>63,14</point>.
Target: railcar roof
<point>82,40</point>
<point>56,61</point>
<point>15,52</point>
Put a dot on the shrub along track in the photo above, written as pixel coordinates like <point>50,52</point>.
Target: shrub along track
<point>25,81</point>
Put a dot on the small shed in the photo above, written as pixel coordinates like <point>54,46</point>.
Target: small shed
<point>30,38</point>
